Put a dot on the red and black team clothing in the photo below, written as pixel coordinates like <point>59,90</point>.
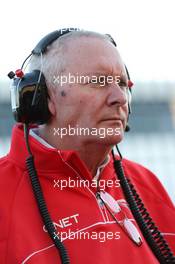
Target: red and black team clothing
<point>88,230</point>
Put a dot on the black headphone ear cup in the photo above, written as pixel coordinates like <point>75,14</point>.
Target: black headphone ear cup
<point>31,96</point>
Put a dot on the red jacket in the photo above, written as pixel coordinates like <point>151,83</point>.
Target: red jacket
<point>74,210</point>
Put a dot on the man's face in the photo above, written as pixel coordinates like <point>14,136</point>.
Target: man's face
<point>96,102</point>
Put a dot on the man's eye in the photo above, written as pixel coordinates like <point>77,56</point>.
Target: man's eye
<point>99,81</point>
<point>121,83</point>
<point>93,81</point>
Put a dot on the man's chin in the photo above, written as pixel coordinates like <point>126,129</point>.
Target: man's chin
<point>113,140</point>
<point>109,140</point>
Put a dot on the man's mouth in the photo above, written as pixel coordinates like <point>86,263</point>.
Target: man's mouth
<point>113,119</point>
<point>118,121</point>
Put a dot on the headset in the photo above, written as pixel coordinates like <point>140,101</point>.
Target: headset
<point>29,92</point>
<point>29,101</point>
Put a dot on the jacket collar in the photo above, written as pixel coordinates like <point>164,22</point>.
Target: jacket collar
<point>47,158</point>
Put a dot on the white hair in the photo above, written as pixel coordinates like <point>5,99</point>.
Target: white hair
<point>53,61</point>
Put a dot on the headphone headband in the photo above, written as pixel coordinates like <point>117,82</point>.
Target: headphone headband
<point>51,37</point>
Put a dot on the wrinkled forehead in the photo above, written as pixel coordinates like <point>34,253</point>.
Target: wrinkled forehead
<point>93,54</point>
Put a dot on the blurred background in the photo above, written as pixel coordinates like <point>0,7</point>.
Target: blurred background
<point>144,34</point>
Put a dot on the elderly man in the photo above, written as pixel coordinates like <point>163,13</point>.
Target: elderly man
<point>88,209</point>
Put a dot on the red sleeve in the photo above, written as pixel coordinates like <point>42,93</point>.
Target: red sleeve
<point>10,177</point>
<point>155,199</point>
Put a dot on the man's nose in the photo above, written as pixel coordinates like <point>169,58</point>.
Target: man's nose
<point>117,95</point>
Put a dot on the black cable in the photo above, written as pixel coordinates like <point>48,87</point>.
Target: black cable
<point>26,60</point>
<point>158,238</point>
<point>149,230</point>
<point>37,189</point>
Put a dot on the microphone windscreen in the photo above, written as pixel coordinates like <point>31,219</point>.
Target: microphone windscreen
<point>127,128</point>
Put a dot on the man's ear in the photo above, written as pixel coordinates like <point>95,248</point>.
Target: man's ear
<point>51,107</point>
<point>51,102</point>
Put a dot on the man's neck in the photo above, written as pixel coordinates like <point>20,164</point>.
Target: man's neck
<point>93,155</point>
